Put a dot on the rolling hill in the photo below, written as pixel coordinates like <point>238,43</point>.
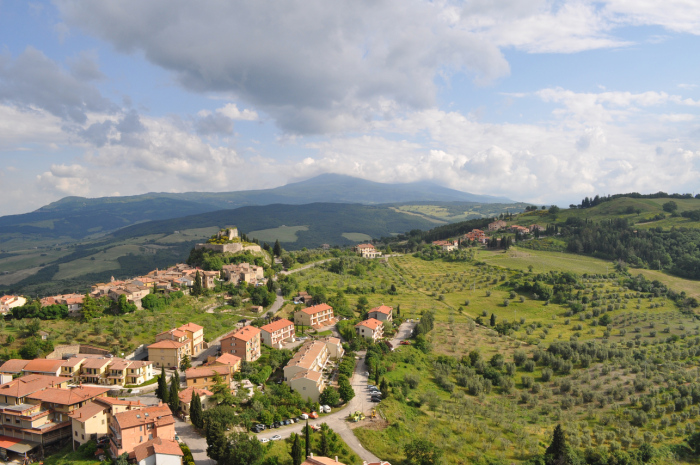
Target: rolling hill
<point>75,218</point>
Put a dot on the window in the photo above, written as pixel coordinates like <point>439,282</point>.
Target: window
<point>140,438</point>
<point>103,422</point>
<point>76,434</point>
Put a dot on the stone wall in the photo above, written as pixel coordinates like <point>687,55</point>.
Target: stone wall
<point>74,349</point>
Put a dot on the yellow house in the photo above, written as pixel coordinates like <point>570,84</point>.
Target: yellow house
<point>94,371</point>
<point>204,377</point>
<point>195,335</point>
<point>167,353</point>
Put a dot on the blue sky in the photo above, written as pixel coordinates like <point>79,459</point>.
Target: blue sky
<point>539,101</point>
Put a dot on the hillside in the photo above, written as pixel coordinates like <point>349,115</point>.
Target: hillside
<point>143,247</point>
<point>75,218</point>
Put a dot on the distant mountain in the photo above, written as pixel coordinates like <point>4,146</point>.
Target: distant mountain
<point>79,217</point>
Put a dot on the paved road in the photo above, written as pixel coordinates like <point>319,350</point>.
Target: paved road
<point>336,420</point>
<point>403,333</point>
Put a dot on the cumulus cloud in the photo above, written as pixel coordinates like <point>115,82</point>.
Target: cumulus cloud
<point>65,179</point>
<point>314,66</point>
<point>34,80</point>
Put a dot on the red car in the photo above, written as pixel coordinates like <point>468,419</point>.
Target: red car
<point>405,343</point>
<point>313,415</point>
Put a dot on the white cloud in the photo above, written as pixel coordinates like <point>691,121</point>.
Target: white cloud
<point>232,111</point>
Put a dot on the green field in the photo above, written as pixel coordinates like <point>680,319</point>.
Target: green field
<point>187,235</point>
<point>357,237</point>
<point>104,261</point>
<point>281,233</point>
<point>542,261</point>
<point>692,288</point>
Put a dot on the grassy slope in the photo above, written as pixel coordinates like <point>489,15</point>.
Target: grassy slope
<point>497,425</point>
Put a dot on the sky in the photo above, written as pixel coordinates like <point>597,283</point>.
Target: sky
<point>538,101</point>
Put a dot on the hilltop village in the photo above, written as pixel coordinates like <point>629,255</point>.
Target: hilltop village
<point>275,361</point>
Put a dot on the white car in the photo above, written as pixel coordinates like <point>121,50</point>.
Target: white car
<point>276,437</point>
<point>264,440</point>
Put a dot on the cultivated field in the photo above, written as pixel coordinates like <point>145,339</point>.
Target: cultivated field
<point>281,233</point>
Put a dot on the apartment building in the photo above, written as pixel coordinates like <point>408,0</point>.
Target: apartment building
<point>317,316</point>
<point>370,329</point>
<point>91,421</point>
<point>167,353</point>
<point>244,343</point>
<point>195,336</point>
<point>277,332</point>
<point>205,377</point>
<point>129,429</point>
<point>304,372</point>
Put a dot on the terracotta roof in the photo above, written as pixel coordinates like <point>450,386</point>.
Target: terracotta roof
<point>316,309</point>
<point>87,411</point>
<point>277,325</point>
<point>364,246</point>
<point>372,324</point>
<point>43,365</point>
<point>321,461</point>
<point>68,396</point>
<point>119,364</point>
<point>115,401</point>
<point>97,363</point>
<point>157,446</point>
<point>73,362</point>
<point>201,372</point>
<point>307,354</point>
<point>30,384</point>
<point>167,344</point>
<point>309,374</point>
<point>228,359</point>
<point>13,366</point>
<point>244,334</point>
<point>160,414</point>
<point>385,309</point>
<point>186,394</point>
<point>191,327</point>
<point>332,340</point>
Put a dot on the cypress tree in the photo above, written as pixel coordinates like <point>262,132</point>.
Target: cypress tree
<point>196,411</point>
<point>557,449</point>
<point>162,391</point>
<point>173,399</point>
<point>307,438</point>
<point>216,441</point>
<point>493,320</point>
<point>197,286</point>
<point>297,451</point>
<point>277,250</point>
<point>324,446</point>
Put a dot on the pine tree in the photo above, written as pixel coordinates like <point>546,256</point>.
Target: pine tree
<point>173,398</point>
<point>493,320</point>
<point>162,391</point>
<point>557,449</point>
<point>196,411</point>
<point>307,438</point>
<point>297,452</point>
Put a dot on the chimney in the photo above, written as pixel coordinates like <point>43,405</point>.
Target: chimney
<point>336,458</point>
<point>312,454</point>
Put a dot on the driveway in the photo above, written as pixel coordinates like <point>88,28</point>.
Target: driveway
<point>196,443</point>
<point>403,333</point>
<point>336,420</point>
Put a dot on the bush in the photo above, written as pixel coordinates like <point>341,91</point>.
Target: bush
<point>88,449</point>
<point>412,380</point>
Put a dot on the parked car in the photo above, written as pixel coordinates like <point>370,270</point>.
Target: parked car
<point>264,440</point>
<point>375,399</point>
<point>291,421</point>
<point>313,415</point>
<point>277,424</point>
<point>405,343</point>
<point>260,425</point>
<point>304,416</point>
<point>325,409</point>
<point>276,437</point>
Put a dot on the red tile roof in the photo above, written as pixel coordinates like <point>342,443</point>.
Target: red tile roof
<point>87,411</point>
<point>186,394</point>
<point>29,384</point>
<point>383,309</point>
<point>228,359</point>
<point>201,372</point>
<point>157,446</point>
<point>97,363</point>
<point>191,327</point>
<point>42,365</point>
<point>320,461</point>
<point>372,324</point>
<point>277,325</point>
<point>160,414</point>
<point>244,334</point>
<point>167,344</point>
<point>13,366</point>
<point>68,396</point>
<point>316,309</point>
